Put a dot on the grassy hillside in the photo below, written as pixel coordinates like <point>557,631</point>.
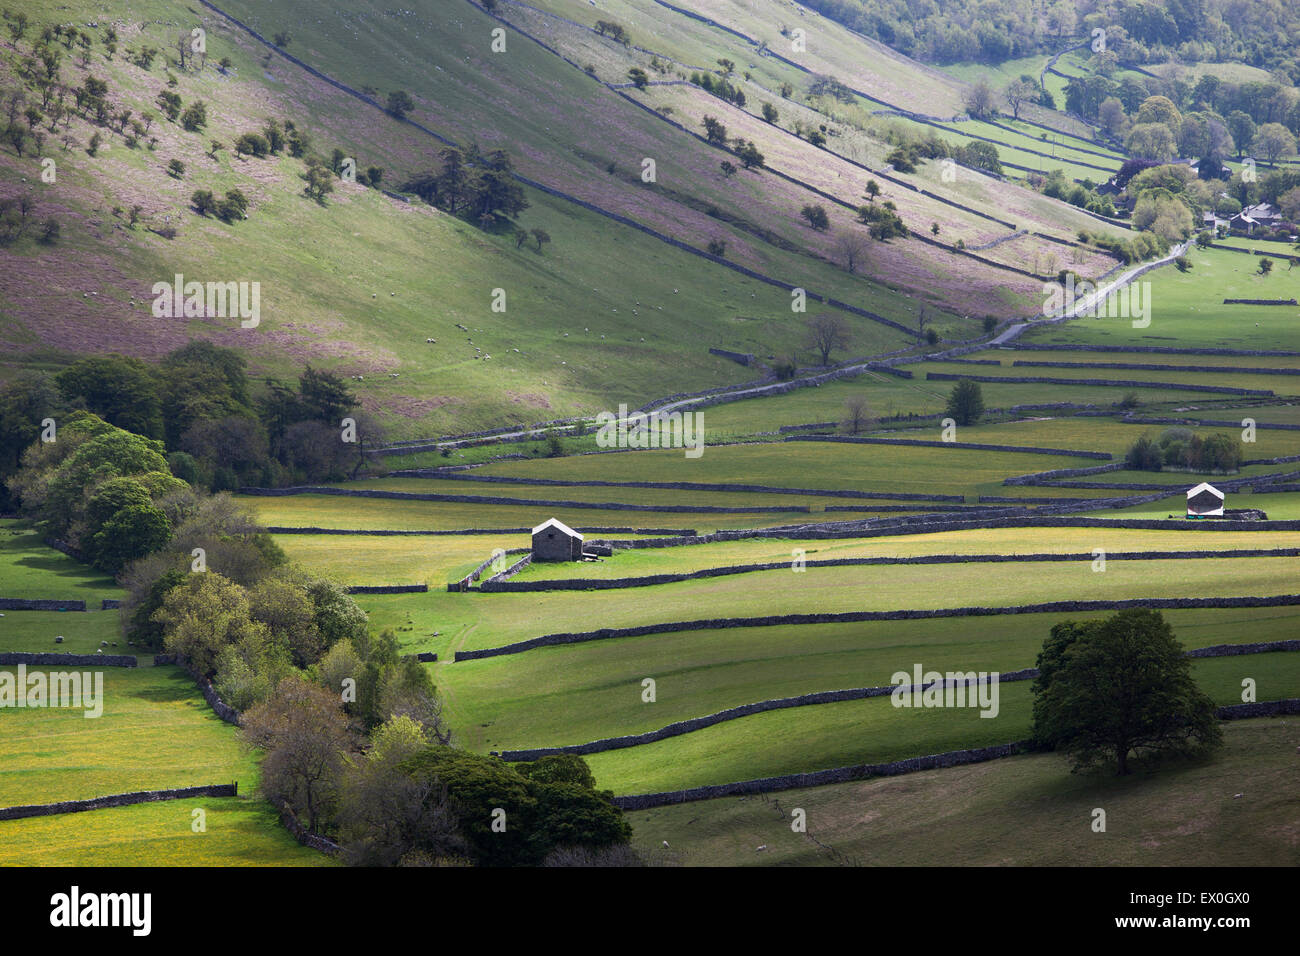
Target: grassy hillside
<point>322,302</point>
<point>1021,811</point>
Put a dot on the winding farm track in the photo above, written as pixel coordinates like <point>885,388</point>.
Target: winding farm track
<point>854,367</point>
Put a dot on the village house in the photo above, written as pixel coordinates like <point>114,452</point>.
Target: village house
<point>1263,216</point>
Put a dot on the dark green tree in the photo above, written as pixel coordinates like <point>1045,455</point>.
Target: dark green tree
<point>400,103</point>
<point>120,389</point>
<point>966,403</point>
<point>1110,689</point>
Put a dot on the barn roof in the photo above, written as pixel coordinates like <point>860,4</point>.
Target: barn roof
<point>559,525</point>
<point>1204,486</point>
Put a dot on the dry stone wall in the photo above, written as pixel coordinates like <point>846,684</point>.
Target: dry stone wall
<point>118,800</point>
<point>40,604</point>
<point>67,660</point>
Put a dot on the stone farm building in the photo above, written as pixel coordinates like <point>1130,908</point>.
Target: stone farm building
<point>553,540</point>
<point>1204,501</point>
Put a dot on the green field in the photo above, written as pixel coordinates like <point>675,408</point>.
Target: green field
<point>635,562</point>
<point>328,511</point>
<point>1183,315</point>
<point>156,732</point>
<point>1287,385</point>
<point>869,731</point>
<point>240,832</point>
<point>1026,810</point>
<point>670,497</point>
<point>29,569</point>
<point>889,396</point>
<point>487,620</point>
<point>569,695</point>
<point>82,632</point>
<point>815,465</point>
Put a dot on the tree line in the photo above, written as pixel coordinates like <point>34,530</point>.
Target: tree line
<point>216,430</point>
<point>991,31</point>
<point>1181,449</point>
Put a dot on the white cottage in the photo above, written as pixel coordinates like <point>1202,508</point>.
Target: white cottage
<point>1204,501</point>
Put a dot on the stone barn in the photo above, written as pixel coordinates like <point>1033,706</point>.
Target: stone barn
<point>553,540</point>
<point>1205,501</point>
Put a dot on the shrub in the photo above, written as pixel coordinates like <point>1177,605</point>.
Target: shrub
<point>195,117</point>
